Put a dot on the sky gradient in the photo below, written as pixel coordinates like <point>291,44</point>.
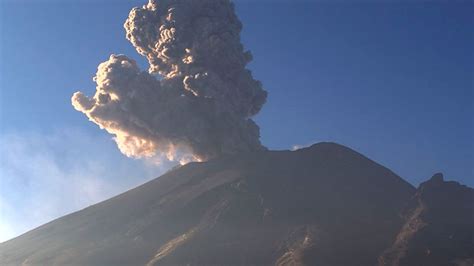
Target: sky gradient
<point>392,80</point>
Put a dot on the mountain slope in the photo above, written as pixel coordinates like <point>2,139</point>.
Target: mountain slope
<point>439,229</point>
<point>323,205</point>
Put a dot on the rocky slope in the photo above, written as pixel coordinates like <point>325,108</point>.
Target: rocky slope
<point>439,227</point>
<point>323,205</point>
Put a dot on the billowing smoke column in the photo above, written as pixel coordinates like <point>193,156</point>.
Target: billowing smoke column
<point>201,105</point>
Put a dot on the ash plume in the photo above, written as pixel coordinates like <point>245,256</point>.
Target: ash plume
<point>201,105</point>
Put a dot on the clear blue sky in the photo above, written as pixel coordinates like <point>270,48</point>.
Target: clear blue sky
<point>392,80</point>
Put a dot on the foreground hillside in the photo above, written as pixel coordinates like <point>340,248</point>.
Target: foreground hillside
<point>323,205</point>
<point>439,227</point>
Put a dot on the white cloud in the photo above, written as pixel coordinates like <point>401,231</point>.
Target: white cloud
<point>43,177</point>
<point>297,147</point>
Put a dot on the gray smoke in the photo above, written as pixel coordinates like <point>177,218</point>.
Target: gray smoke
<point>201,104</point>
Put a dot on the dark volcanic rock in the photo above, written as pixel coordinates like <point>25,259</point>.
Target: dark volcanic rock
<point>323,205</point>
<point>439,228</point>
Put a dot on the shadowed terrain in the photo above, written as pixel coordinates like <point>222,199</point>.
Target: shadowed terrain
<point>439,227</point>
<point>322,205</point>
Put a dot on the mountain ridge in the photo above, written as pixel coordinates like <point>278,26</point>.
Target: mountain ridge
<point>325,204</point>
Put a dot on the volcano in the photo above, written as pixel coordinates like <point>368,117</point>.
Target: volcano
<point>322,205</point>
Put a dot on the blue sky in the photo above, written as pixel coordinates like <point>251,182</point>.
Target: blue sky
<point>392,80</point>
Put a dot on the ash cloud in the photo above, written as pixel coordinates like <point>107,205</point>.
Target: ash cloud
<point>201,105</point>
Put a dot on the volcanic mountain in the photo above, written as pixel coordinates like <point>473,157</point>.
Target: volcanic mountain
<point>323,205</point>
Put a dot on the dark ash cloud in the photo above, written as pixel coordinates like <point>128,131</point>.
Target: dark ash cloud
<point>201,105</point>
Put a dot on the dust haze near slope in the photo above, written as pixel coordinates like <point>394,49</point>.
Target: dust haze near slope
<point>323,205</point>
<point>202,104</point>
<point>44,176</point>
